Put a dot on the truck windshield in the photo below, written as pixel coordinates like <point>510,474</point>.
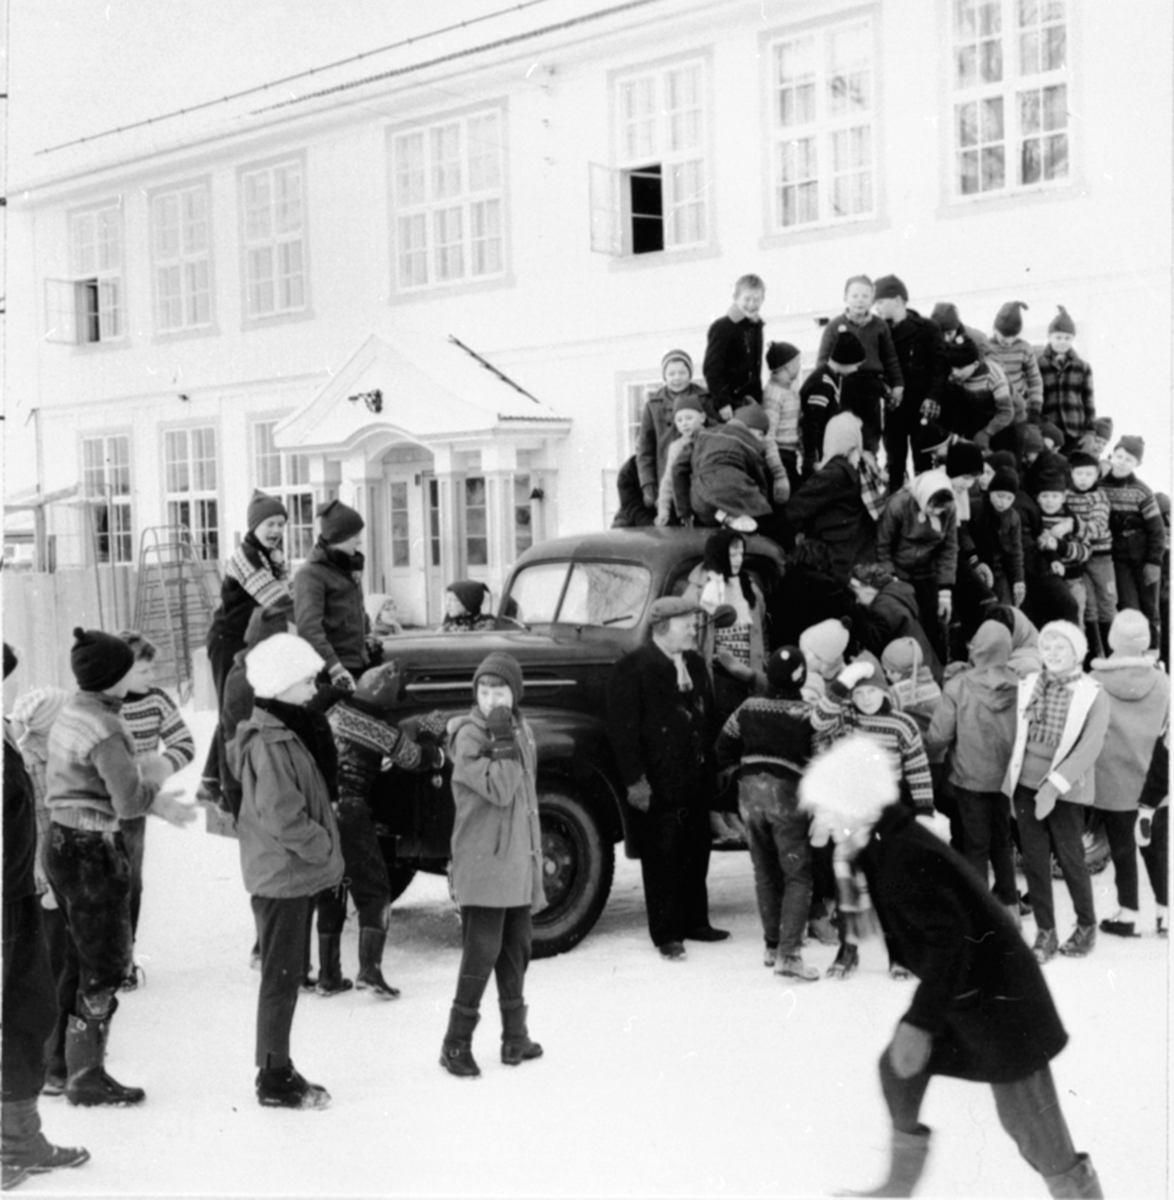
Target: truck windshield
<point>595,593</point>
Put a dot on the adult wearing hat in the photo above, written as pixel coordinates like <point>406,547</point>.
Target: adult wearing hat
<point>328,596</point>
<point>92,781</point>
<point>656,421</point>
<point>255,575</point>
<point>662,727</point>
<point>921,353</point>
<point>463,601</point>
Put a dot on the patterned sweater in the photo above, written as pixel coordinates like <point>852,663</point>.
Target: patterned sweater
<point>1021,368</point>
<point>364,741</point>
<point>767,733</point>
<point>1135,522</point>
<point>1091,510</point>
<point>152,717</point>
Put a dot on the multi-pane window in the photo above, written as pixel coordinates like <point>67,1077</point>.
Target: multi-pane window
<point>448,194</point>
<point>181,246</point>
<point>274,224</point>
<point>190,481</point>
<point>1010,78</point>
<point>634,398</point>
<point>106,486</point>
<point>434,521</point>
<point>823,112</point>
<point>286,476</point>
<point>523,523</point>
<point>92,305</point>
<point>476,523</point>
<point>401,537</point>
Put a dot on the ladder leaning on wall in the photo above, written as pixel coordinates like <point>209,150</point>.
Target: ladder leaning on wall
<point>173,602</point>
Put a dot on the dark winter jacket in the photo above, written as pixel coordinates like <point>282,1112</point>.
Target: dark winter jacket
<point>632,512</point>
<point>1135,521</point>
<point>979,406</point>
<point>829,507</point>
<point>733,359</point>
<point>20,826</point>
<point>980,994</point>
<point>802,598</point>
<point>893,614</point>
<point>1139,709</point>
<point>288,833</point>
<point>496,838</point>
<point>1067,393</point>
<point>921,353</point>
<point>819,401</point>
<point>996,539</point>
<point>251,578</point>
<point>722,468</point>
<point>328,608</point>
<point>880,356</point>
<point>906,541</point>
<point>657,430</point>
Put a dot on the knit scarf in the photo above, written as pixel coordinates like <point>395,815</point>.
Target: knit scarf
<point>313,730</point>
<point>1047,710</point>
<point>278,569</point>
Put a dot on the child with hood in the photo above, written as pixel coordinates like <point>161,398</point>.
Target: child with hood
<point>915,691</point>
<point>657,427</point>
<point>382,615</point>
<point>886,609</point>
<point>1061,716</point>
<point>981,1010</point>
<point>496,862</point>
<point>1139,711</point>
<point>973,731</point>
<point>463,600</point>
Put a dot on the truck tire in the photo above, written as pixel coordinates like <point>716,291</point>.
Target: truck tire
<point>578,863</point>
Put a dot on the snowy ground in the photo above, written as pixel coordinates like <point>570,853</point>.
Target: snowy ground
<point>706,1078</point>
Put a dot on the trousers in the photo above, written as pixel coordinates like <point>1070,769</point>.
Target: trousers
<point>366,875</point>
<point>1119,828</point>
<point>28,1008</point>
<point>674,861</point>
<point>494,941</point>
<point>281,935</point>
<point>1061,833</point>
<point>781,856</point>
<point>984,825</point>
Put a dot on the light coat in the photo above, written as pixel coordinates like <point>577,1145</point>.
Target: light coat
<point>1139,708</point>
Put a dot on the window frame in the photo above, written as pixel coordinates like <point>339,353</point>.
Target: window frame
<point>467,537</point>
<point>292,488</point>
<point>85,284</point>
<point>199,498</point>
<point>183,260</point>
<point>122,503</point>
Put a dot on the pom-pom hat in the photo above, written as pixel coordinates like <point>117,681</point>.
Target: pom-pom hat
<point>847,349</point>
<point>786,669</point>
<point>1009,318</point>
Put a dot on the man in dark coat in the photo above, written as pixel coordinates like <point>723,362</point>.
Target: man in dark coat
<point>981,1010</point>
<point>661,720</point>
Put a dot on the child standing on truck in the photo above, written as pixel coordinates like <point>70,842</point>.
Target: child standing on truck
<point>496,862</point>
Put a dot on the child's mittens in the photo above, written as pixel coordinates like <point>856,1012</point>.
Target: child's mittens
<point>640,794</point>
<point>1143,830</point>
<point>432,756</point>
<point>503,742</point>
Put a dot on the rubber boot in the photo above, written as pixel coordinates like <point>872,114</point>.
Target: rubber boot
<point>371,943</point>
<point>26,1150</point>
<point>456,1054</point>
<point>85,1056</point>
<point>516,1046</point>
<point>330,977</point>
<point>1080,1180</point>
<point>909,1151</point>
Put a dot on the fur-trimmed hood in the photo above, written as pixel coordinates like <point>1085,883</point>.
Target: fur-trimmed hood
<point>1127,676</point>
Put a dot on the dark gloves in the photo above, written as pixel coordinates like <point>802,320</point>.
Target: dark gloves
<point>503,743</point>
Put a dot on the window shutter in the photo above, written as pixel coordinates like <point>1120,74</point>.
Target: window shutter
<point>62,303</point>
<point>606,217</point>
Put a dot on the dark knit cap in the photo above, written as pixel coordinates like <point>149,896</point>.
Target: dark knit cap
<point>99,660</point>
<point>1082,458</point>
<point>1062,322</point>
<point>379,688</point>
<point>930,436</point>
<point>338,522</point>
<point>269,619</point>
<point>889,287</point>
<point>470,592</point>
<point>10,660</point>
<point>1006,479</point>
<point>998,459</point>
<point>847,349</point>
<point>680,356</point>
<point>1131,445</point>
<point>778,354</point>
<point>1053,433</point>
<point>506,668</point>
<point>1052,479</point>
<point>1103,427</point>
<point>945,316</point>
<point>786,670</point>
<point>960,349</point>
<point>753,416</point>
<point>263,506</point>
<point>1009,318</point>
<point>963,458</point>
<point>686,400</point>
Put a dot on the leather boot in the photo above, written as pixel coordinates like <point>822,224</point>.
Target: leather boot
<point>371,943</point>
<point>85,1056</point>
<point>284,1087</point>
<point>909,1151</point>
<point>1096,648</point>
<point>516,1046</point>
<point>26,1150</point>
<point>330,977</point>
<point>456,1054</point>
<point>1080,1181</point>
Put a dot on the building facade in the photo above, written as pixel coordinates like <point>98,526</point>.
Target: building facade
<point>442,291</point>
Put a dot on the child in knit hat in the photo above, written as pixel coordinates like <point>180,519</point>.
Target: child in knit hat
<point>1016,357</point>
<point>1089,505</point>
<point>1067,383</point>
<point>996,538</point>
<point>979,397</point>
<point>657,428</point>
<point>496,861</point>
<point>383,615</point>
<point>733,350</point>
<point>688,417</point>
<point>783,407</point>
<point>1139,712</point>
<point>463,601</point>
<point>823,647</point>
<point>847,381</point>
<point>1064,544</point>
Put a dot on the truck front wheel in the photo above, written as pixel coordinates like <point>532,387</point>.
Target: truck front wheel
<point>578,863</point>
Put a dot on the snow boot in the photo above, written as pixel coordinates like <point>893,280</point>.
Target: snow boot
<point>846,962</point>
<point>1122,924</point>
<point>909,1152</point>
<point>85,1056</point>
<point>26,1151</point>
<point>371,943</point>
<point>516,1046</point>
<point>1079,1181</point>
<point>1045,946</point>
<point>284,1087</point>
<point>331,980</point>
<point>456,1054</point>
<point>792,966</point>
<point>1080,944</point>
<point>770,955</point>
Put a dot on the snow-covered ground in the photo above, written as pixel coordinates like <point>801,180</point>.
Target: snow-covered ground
<point>705,1078</point>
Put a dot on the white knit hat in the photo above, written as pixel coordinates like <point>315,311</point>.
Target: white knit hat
<point>279,662</point>
<point>1074,635</point>
<point>1130,632</point>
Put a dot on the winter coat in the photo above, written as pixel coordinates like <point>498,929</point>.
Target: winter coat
<point>996,539</point>
<point>1084,734</point>
<point>973,727</point>
<point>880,356</point>
<point>496,838</point>
<point>1025,656</point>
<point>733,359</point>
<point>893,614</point>
<point>979,406</point>
<point>1135,521</point>
<point>829,508</point>
<point>906,541</point>
<point>328,609</point>
<point>1017,359</point>
<point>819,401</point>
<point>1067,393</point>
<point>288,833</point>
<point>1139,707</point>
<point>802,598</point>
<point>980,993</point>
<point>921,352</point>
<point>657,430</point>
<point>632,512</point>
<point>20,828</point>
<point>723,468</point>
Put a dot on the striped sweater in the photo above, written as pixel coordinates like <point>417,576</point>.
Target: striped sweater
<point>1021,368</point>
<point>834,716</point>
<point>152,717</point>
<point>1091,510</point>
